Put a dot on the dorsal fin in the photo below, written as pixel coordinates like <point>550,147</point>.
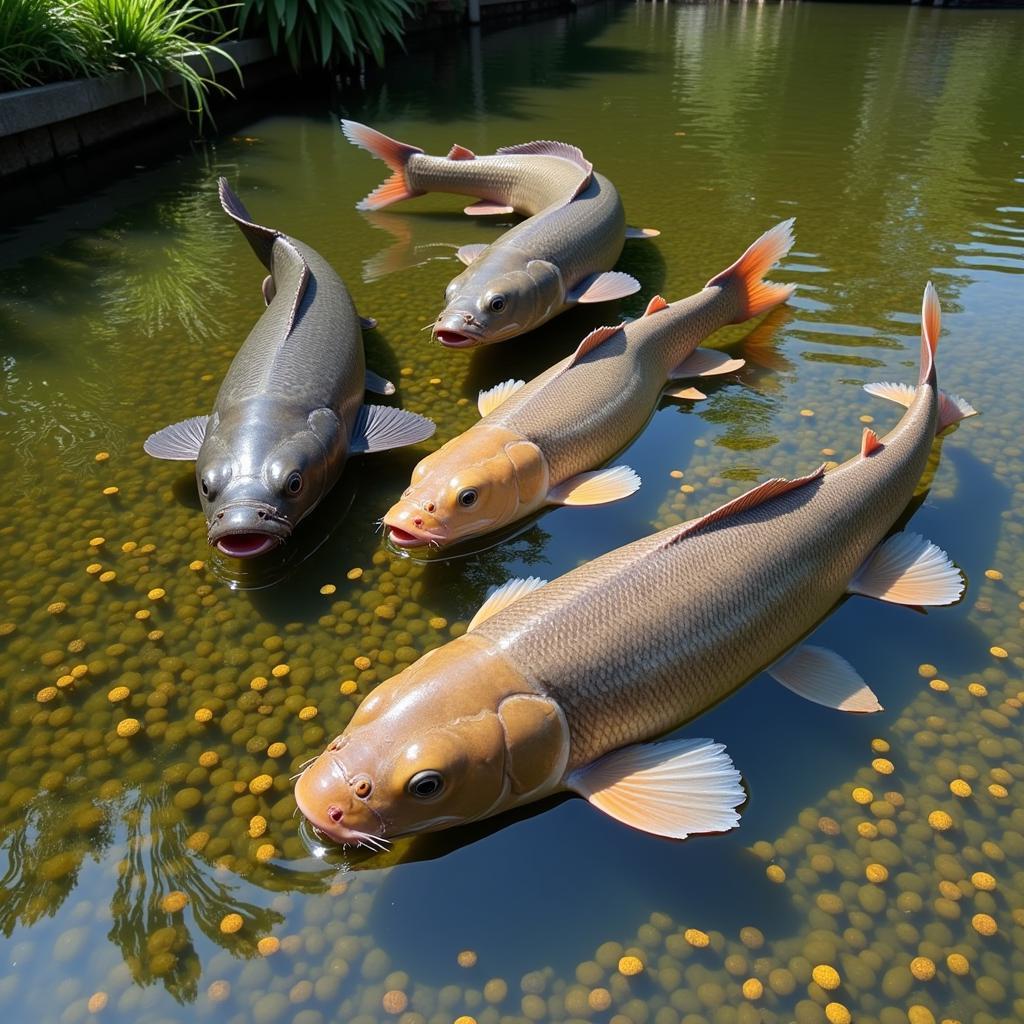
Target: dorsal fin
<point>591,341</point>
<point>547,147</point>
<point>656,305</point>
<point>458,152</point>
<point>869,443</point>
<point>262,240</point>
<point>758,496</point>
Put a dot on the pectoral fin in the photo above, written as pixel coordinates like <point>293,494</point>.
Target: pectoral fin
<point>468,253</point>
<point>907,569</point>
<point>613,284</point>
<point>487,208</point>
<point>689,394</point>
<point>820,675</point>
<point>381,427</point>
<point>180,441</point>
<point>642,232</point>
<point>378,385</point>
<point>673,788</point>
<point>508,593</point>
<point>489,400</point>
<point>705,362</point>
<point>596,487</point>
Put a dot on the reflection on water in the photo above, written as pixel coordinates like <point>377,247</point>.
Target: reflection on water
<point>157,701</point>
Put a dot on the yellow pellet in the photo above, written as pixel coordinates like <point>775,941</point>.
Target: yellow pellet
<point>209,758</point>
<point>883,766</point>
<point>960,788</point>
<point>696,938</point>
<point>257,826</point>
<point>268,945</point>
<point>265,852</point>
<point>862,795</point>
<point>327,589</point>
<point>984,924</point>
<point>466,958</point>
<point>111,491</point>
<point>348,686</point>
<point>752,989</point>
<point>259,683</point>
<point>630,965</point>
<point>977,689</point>
<point>877,873</point>
<point>939,685</point>
<point>196,565</point>
<point>353,574</point>
<point>362,663</point>
<point>203,715</point>
<point>119,693</point>
<point>46,694</point>
<point>922,968</point>
<point>826,976</point>
<point>998,652</point>
<point>277,749</point>
<point>231,923</point>
<point>108,577</point>
<point>958,964</point>
<point>174,901</point>
<point>983,880</point>
<point>156,593</point>
<point>940,821</point>
<point>98,1000</point>
<point>261,784</point>
<point>101,456</point>
<point>280,671</point>
<point>775,873</point>
<point>993,574</point>
<point>837,1013</point>
<point>128,727</point>
<point>308,713</point>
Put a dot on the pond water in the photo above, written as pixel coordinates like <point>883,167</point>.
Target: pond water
<point>162,876</point>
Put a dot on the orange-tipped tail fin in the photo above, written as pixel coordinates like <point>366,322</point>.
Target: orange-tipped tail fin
<point>748,272</point>
<point>394,153</point>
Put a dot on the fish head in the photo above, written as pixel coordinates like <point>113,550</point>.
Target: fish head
<point>442,743</point>
<point>260,476</point>
<point>479,481</point>
<point>481,309</point>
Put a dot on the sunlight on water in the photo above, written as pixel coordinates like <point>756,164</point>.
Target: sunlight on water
<point>158,698</point>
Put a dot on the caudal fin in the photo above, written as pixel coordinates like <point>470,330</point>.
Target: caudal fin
<point>395,154</point>
<point>749,270</point>
<point>952,408</point>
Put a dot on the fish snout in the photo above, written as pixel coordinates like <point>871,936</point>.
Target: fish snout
<point>247,528</point>
<point>458,329</point>
<point>411,525</point>
<point>325,799</point>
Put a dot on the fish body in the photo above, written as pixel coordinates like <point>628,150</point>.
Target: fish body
<point>290,408</point>
<point>542,443</point>
<point>561,255</point>
<point>561,686</point>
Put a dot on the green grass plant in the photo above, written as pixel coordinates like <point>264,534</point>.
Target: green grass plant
<point>152,38</point>
<point>323,31</point>
<point>45,40</point>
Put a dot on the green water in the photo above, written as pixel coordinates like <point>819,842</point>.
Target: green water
<point>894,136</point>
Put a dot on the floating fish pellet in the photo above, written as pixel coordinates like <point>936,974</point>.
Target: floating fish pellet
<point>826,976</point>
<point>118,694</point>
<point>231,923</point>
<point>862,795</point>
<point>260,784</point>
<point>308,713</point>
<point>277,749</point>
<point>98,1000</point>
<point>328,589</point>
<point>984,924</point>
<point>752,989</point>
<point>837,1013</point>
<point>940,821</point>
<point>128,727</point>
<point>265,852</point>
<point>202,715</point>
<point>394,1001</point>
<point>696,938</point>
<point>466,958</point>
<point>268,945</point>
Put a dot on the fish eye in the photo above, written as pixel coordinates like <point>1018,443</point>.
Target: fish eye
<point>497,304</point>
<point>424,785</point>
<point>363,788</point>
<point>293,485</point>
<point>467,496</point>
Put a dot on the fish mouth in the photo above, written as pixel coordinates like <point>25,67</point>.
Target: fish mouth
<point>455,339</point>
<point>335,832</point>
<point>246,545</point>
<point>405,539</point>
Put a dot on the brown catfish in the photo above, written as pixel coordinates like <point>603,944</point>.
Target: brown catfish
<point>560,255</point>
<point>562,686</point>
<point>541,443</point>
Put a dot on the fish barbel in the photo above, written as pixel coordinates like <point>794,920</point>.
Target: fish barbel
<point>542,443</point>
<point>562,254</point>
<point>290,409</point>
<point>561,686</point>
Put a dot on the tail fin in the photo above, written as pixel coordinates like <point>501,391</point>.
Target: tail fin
<point>952,408</point>
<point>749,270</point>
<point>395,154</point>
<point>260,238</point>
<point>931,323</point>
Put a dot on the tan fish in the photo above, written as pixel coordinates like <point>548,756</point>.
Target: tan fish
<point>561,686</point>
<point>541,443</point>
<point>561,255</point>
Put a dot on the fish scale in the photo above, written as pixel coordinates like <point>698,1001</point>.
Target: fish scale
<point>301,365</point>
<point>528,184</point>
<point>625,666</point>
<point>613,389</point>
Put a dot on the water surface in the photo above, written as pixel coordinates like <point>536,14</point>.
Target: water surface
<point>894,137</point>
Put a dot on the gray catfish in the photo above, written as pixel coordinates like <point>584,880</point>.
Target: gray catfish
<point>561,255</point>
<point>290,410</point>
<point>562,686</point>
<point>540,443</point>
